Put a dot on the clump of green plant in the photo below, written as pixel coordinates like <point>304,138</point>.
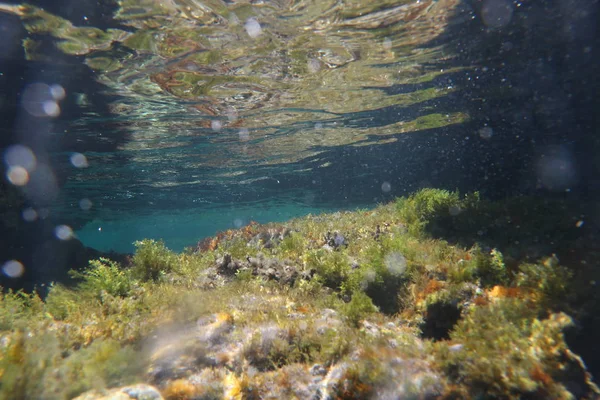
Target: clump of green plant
<point>18,308</point>
<point>502,351</point>
<point>293,245</point>
<point>358,308</point>
<point>487,267</point>
<point>238,248</point>
<point>34,366</point>
<point>105,276</point>
<point>548,279</point>
<point>332,266</point>
<point>420,210</point>
<point>152,260</point>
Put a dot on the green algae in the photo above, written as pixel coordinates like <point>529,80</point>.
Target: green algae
<point>396,281</point>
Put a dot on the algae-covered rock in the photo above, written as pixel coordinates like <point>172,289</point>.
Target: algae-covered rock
<point>135,392</point>
<point>366,304</point>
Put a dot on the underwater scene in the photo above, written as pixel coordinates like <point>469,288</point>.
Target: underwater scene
<point>299,199</point>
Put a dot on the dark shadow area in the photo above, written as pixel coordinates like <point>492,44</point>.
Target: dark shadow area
<point>33,239</point>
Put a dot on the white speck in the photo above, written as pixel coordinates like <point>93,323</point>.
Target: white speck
<point>63,232</point>
<point>79,160</point>
<point>253,27</point>
<point>17,175</point>
<point>13,269</point>
<point>456,347</point>
<point>99,229</point>
<point>386,187</point>
<point>319,126</point>
<point>29,214</point>
<point>85,204</point>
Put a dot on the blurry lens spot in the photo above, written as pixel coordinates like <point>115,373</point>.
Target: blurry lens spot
<point>63,232</point>
<point>13,269</point>
<point>454,210</point>
<point>387,43</point>
<point>496,13</point>
<point>34,97</point>
<point>18,155</point>
<point>486,132</point>
<point>386,187</point>
<point>29,214</point>
<point>85,204</point>
<point>57,92</point>
<point>252,27</point>
<point>17,176</point>
<point>244,134</point>
<point>216,125</point>
<point>51,108</point>
<point>79,160</point>
<point>238,223</point>
<point>395,263</point>
<point>314,65</point>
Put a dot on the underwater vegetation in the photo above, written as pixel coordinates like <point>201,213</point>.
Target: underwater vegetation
<point>402,301</point>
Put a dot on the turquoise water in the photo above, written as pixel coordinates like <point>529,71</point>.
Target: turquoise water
<point>183,229</point>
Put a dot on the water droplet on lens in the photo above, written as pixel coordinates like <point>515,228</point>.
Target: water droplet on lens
<point>63,232</point>
<point>85,204</point>
<point>79,160</point>
<point>253,27</point>
<point>13,269</point>
<point>486,132</point>
<point>18,155</point>
<point>29,214</point>
<point>17,176</point>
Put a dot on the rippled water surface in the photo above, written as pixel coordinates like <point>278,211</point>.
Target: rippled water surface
<point>179,118</point>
